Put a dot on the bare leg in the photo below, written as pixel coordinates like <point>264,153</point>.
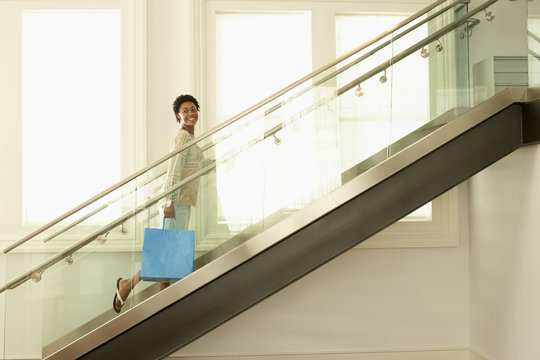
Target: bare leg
<point>163,285</point>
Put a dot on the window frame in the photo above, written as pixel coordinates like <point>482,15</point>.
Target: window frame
<point>443,229</point>
<point>133,96</point>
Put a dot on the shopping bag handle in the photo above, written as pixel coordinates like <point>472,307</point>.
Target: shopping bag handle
<point>163,225</point>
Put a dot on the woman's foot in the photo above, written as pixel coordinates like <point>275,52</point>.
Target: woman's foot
<point>123,288</point>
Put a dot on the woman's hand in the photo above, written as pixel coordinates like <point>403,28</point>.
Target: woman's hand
<point>168,212</point>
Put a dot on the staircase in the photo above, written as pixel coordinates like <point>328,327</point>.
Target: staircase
<point>238,266</point>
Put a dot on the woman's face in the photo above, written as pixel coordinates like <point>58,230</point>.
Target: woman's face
<point>188,113</point>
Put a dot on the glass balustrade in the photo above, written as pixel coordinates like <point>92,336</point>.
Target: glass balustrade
<point>260,167</point>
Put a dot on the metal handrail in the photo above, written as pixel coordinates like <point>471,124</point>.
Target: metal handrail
<point>533,36</point>
<point>430,38</point>
<point>88,239</point>
<point>222,125</point>
<point>377,70</point>
<point>366,55</point>
<point>77,222</point>
<point>51,261</point>
<point>95,211</point>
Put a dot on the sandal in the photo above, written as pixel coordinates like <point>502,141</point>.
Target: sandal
<point>117,295</point>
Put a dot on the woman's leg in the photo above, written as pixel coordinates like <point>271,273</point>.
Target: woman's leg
<point>124,288</point>
<point>183,214</point>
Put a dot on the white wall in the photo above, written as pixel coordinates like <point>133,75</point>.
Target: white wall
<point>505,252</point>
<point>170,69</point>
<point>10,129</point>
<point>504,247</point>
<point>504,36</point>
<point>364,300</point>
<point>379,299</point>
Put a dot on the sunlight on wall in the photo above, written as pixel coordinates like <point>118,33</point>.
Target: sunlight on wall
<point>70,108</point>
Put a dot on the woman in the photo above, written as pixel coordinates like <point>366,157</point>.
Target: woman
<point>177,207</point>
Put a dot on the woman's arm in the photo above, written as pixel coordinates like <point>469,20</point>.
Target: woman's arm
<point>174,172</point>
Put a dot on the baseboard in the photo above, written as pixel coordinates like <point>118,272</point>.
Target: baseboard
<point>443,354</point>
<point>448,354</point>
<point>475,356</point>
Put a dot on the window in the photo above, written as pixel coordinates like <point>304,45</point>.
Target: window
<point>230,81</point>
<point>70,108</point>
<point>253,62</point>
<point>246,73</point>
<point>383,121</point>
<point>71,99</point>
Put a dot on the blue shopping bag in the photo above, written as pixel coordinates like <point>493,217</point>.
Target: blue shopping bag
<point>167,254</point>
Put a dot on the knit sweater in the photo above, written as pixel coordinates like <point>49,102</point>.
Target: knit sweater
<point>181,166</point>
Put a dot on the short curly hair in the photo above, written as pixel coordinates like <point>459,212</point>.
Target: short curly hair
<point>180,100</point>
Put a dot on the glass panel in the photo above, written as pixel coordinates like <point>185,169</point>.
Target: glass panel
<point>3,306</point>
<point>243,78</point>
<point>502,64</point>
<point>22,334</point>
<point>241,179</point>
<point>533,42</point>
<point>363,115</point>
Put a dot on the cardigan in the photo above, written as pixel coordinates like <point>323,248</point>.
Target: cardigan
<point>182,165</point>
